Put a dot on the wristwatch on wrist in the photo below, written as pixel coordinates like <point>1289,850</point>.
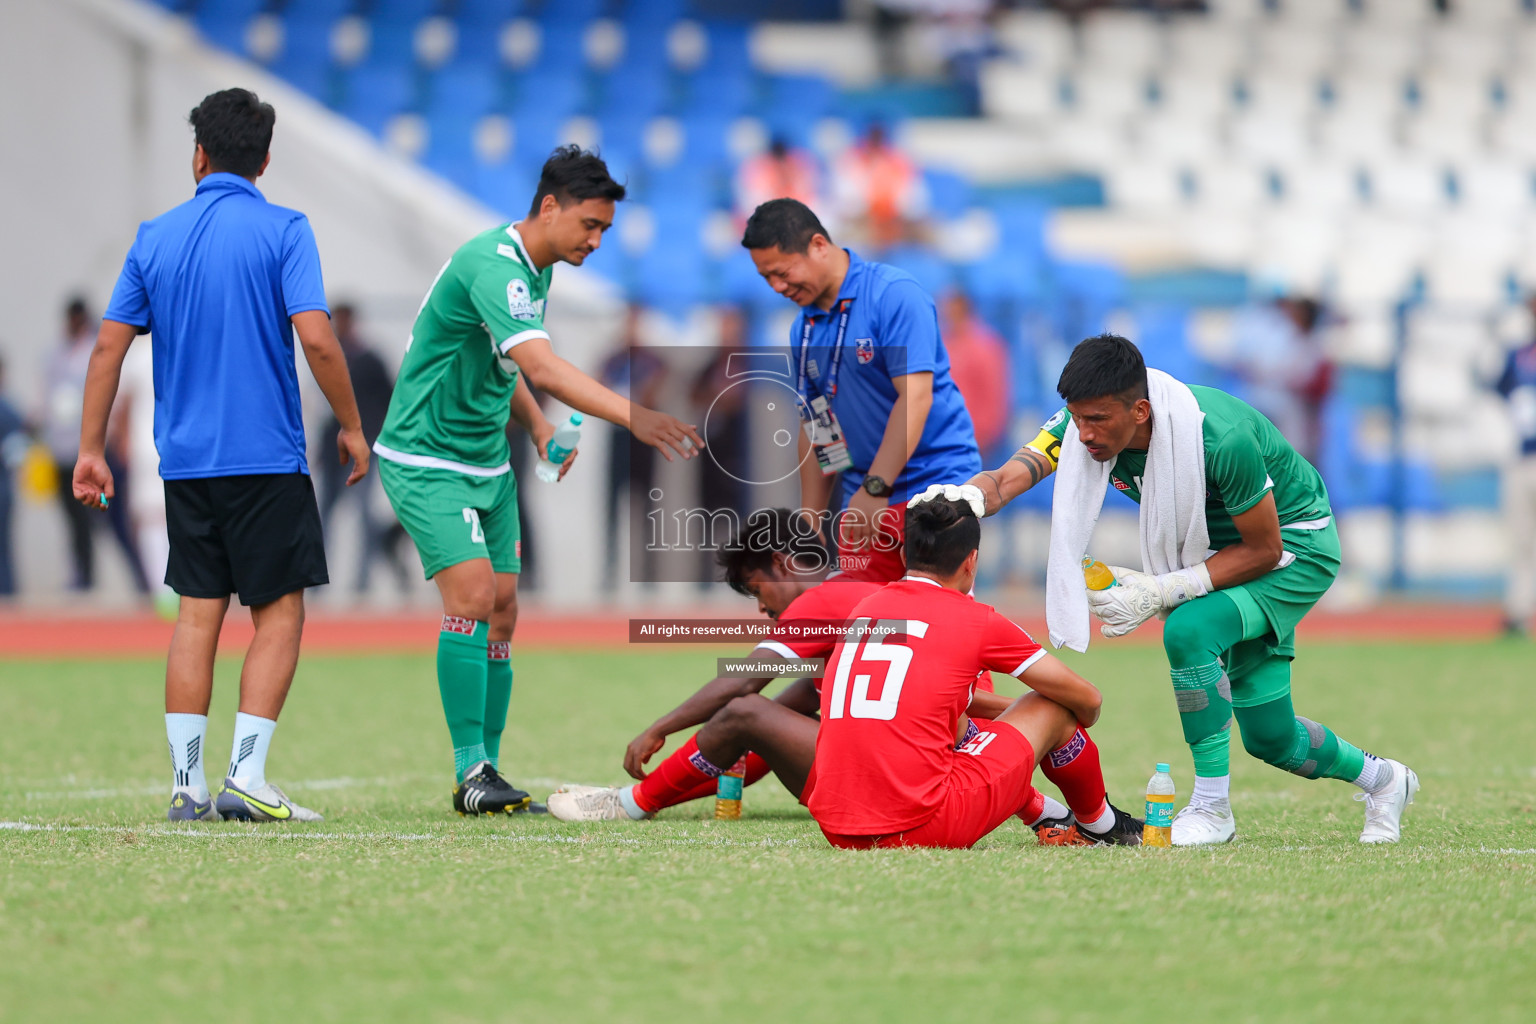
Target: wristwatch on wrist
<point>876,487</point>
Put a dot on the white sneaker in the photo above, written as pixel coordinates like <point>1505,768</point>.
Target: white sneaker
<point>578,789</point>
<point>1384,810</point>
<point>265,804</point>
<point>589,804</point>
<point>1208,823</point>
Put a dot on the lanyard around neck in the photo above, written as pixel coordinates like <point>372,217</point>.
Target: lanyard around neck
<point>835,361</point>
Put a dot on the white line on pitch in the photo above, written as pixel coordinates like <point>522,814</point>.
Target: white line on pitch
<point>344,782</point>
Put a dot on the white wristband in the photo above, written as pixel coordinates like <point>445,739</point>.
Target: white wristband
<point>1182,585</point>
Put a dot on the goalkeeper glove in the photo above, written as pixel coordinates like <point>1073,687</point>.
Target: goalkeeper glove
<point>1140,595</point>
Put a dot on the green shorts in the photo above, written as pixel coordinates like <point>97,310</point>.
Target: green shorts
<point>1275,603</point>
<point>454,517</point>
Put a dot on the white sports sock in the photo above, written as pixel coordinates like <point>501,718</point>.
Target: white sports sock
<point>1212,791</point>
<point>631,807</point>
<point>1103,823</point>
<point>186,734</point>
<point>248,758</point>
<point>1053,809</point>
<point>1376,775</point>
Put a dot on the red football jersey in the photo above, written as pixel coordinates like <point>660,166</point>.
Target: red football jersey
<point>813,623</point>
<point>891,703</point>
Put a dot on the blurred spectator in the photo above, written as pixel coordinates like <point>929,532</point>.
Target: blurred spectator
<point>881,195</point>
<point>637,373</point>
<point>1518,386</point>
<point>372,384</point>
<point>13,449</point>
<point>63,401</point>
<point>722,411</point>
<point>779,172</point>
<point>1286,372</point>
<point>978,362</point>
<point>131,437</point>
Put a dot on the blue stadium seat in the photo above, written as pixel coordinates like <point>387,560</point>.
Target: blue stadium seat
<point>792,104</point>
<point>506,188</point>
<point>685,185</point>
<point>392,43</point>
<point>933,274</point>
<point>480,24</point>
<point>469,90</point>
<point>652,14</point>
<point>570,12</point>
<point>310,77</point>
<point>488,11</point>
<point>535,134</point>
<point>1162,334</point>
<point>223,23</point>
<point>719,93</point>
<point>450,148</point>
<point>306,47</point>
<point>560,49</point>
<point>704,139</point>
<point>408,11</point>
<point>371,94</point>
<point>728,47</point>
<point>1085,294</point>
<point>548,95</point>
<point>949,194</point>
<point>639,93</point>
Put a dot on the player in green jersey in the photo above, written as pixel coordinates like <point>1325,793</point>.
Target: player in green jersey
<point>444,456</point>
<point>1230,633</point>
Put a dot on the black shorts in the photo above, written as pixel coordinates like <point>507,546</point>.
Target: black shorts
<point>257,536</point>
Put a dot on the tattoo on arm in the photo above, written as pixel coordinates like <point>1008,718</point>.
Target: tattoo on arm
<point>1032,461</point>
<point>996,487</point>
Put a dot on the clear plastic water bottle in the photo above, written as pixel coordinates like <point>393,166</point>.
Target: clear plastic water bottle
<point>1097,575</point>
<point>1158,830</point>
<point>728,787</point>
<point>567,436</point>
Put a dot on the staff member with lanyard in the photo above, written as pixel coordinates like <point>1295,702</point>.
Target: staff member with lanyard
<point>876,397</point>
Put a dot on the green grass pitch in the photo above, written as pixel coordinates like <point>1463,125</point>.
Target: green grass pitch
<point>395,909</point>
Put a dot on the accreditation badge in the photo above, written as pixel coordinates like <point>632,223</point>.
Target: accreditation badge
<point>826,437</point>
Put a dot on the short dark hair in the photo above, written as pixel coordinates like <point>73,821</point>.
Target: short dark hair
<point>572,174</point>
<point>77,306</point>
<point>1105,364</point>
<point>235,130</point>
<point>784,224</point>
<point>766,532</point>
<point>941,534</point>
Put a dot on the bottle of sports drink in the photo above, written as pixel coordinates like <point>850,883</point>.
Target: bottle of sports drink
<point>1096,574</point>
<point>567,435</point>
<point>1158,830</point>
<point>728,790</point>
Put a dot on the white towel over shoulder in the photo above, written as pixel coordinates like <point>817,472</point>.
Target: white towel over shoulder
<point>1173,529</point>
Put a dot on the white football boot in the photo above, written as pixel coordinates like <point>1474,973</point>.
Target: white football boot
<point>1207,823</point>
<point>589,804</point>
<point>1384,810</point>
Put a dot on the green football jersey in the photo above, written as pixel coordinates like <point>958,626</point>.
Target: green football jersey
<point>453,397</point>
<point>1246,457</point>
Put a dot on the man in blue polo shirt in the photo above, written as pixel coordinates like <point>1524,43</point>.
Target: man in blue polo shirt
<point>877,399</point>
<point>223,281</point>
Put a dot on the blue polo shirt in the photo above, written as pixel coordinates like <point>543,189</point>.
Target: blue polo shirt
<point>892,330</point>
<point>215,280</point>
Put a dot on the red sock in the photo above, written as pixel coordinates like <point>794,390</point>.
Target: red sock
<point>1074,768</point>
<point>756,769</point>
<point>673,779</point>
<point>1033,807</point>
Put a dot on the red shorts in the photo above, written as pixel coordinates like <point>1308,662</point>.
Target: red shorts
<point>882,561</point>
<point>990,781</point>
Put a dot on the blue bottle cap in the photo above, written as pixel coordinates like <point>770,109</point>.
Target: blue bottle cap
<point>575,419</point>
<point>1162,766</point>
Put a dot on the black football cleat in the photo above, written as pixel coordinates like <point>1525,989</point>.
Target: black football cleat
<point>483,791</point>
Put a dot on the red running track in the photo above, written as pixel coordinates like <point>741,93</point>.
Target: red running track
<point>65,633</point>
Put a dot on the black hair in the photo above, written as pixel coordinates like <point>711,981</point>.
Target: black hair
<point>235,130</point>
<point>766,532</point>
<point>572,174</point>
<point>784,224</point>
<point>941,534</point>
<point>77,306</point>
<point>1105,364</point>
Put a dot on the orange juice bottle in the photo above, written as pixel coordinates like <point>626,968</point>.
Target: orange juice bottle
<point>728,789</point>
<point>1158,830</point>
<point>1096,574</point>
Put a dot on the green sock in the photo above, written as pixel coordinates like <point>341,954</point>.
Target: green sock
<point>1205,711</point>
<point>498,694</point>
<point>1213,755</point>
<point>1298,745</point>
<point>461,665</point>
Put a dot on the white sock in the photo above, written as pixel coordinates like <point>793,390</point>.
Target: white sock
<point>186,734</point>
<point>1053,809</point>
<point>1212,791</point>
<point>1103,823</point>
<point>1376,775</point>
<point>631,807</point>
<point>248,758</point>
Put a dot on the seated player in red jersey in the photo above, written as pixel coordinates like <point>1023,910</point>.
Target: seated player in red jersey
<point>783,565</point>
<point>886,770</point>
